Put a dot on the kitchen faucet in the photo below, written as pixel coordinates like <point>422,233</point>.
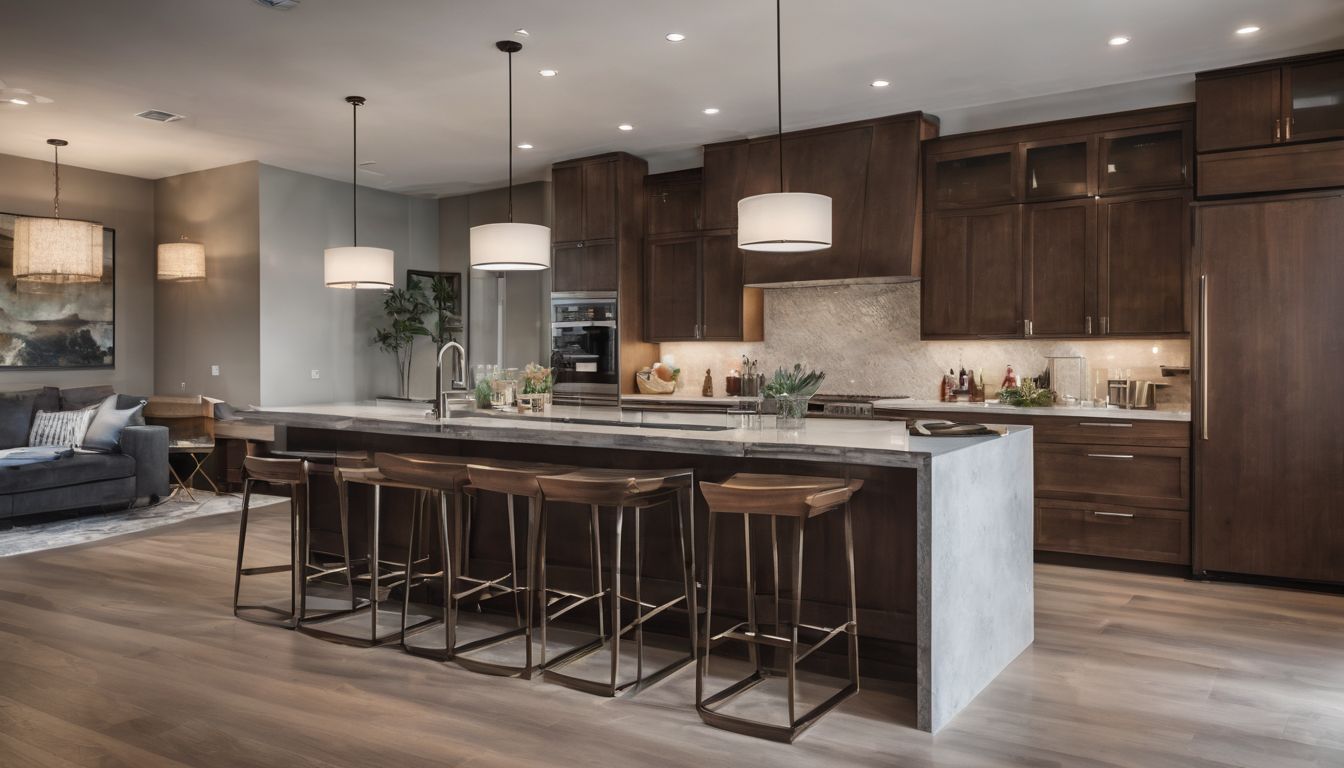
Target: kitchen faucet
<point>455,384</point>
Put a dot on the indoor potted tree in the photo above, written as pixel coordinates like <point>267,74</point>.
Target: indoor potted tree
<point>405,309</point>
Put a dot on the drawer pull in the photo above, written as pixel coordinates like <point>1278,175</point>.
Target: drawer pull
<point>1111,455</point>
<point>1102,424</point>
<point>1112,514</point>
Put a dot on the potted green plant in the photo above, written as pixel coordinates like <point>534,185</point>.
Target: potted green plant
<point>405,309</point>
<point>536,387</point>
<point>791,390</point>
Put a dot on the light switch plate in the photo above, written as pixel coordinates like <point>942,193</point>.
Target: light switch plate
<point>214,370</point>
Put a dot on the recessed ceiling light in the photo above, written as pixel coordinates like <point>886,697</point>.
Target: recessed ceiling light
<point>675,37</point>
<point>522,33</point>
<point>711,110</point>
<point>524,146</point>
<point>626,127</point>
<point>20,102</point>
<point>1248,30</point>
<point>547,72</point>
<point>880,83</point>
<point>1119,40</point>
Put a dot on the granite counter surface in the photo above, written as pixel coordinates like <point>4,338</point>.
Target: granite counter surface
<point>1124,414</point>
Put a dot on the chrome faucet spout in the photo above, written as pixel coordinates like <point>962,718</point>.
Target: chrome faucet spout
<point>454,384</point>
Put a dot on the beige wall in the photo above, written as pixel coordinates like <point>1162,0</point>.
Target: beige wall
<point>215,322</point>
<point>527,327</point>
<point>125,204</point>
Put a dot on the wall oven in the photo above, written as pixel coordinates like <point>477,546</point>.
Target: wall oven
<point>583,348</point>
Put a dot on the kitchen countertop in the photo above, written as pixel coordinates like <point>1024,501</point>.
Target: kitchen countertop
<point>1058,410</point>
<point>686,398</point>
<point>860,441</point>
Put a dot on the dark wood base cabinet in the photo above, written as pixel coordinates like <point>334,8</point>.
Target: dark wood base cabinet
<point>1269,453</point>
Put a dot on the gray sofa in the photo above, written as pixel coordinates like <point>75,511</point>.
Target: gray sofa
<point>138,472</point>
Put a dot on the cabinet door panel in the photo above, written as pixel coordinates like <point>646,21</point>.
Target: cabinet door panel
<point>974,179</point>
<point>673,208</point>
<point>1059,254</point>
<point>567,269</point>
<point>599,200</point>
<point>1145,256</point>
<point>600,271</point>
<point>1315,103</point>
<point>1268,444</point>
<point>889,231</point>
<point>724,170</point>
<point>1144,159</point>
<point>672,292</point>
<point>973,274</point>
<point>567,193</point>
<point>721,288</point>
<point>1237,110</point>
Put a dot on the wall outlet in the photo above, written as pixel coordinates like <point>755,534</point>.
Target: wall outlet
<point>182,386</point>
<point>317,374</point>
<point>214,370</point>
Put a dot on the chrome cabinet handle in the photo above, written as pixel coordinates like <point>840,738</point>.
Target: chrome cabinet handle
<point>1105,324</point>
<point>1204,356</point>
<point>1026,327</point>
<point>1112,514</point>
<point>1288,129</point>
<point>1111,455</point>
<point>1089,325</point>
<point>1103,424</point>
<point>1277,123</point>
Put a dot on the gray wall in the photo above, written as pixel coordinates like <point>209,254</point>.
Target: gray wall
<point>125,204</point>
<point>214,322</point>
<point>309,326</point>
<point>527,327</point>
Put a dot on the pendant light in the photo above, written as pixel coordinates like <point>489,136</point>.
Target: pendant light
<point>181,262</point>
<point>510,246</point>
<point>783,222</point>
<point>56,250</point>
<point>355,265</point>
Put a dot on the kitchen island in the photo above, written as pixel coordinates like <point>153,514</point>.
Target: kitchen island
<point>943,525</point>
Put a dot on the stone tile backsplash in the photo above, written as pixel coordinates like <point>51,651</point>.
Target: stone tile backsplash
<point>866,339</point>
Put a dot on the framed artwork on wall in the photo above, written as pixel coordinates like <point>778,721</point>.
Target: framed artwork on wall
<point>61,326</point>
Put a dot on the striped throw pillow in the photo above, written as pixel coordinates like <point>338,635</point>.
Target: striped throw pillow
<point>63,428</point>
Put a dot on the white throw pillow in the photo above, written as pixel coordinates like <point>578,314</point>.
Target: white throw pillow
<point>63,428</point>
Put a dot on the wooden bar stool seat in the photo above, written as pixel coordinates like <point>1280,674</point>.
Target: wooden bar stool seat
<point>296,474</point>
<point>618,490</point>
<point>513,479</point>
<point>776,497</point>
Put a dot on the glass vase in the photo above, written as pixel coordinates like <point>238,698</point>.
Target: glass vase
<point>791,411</point>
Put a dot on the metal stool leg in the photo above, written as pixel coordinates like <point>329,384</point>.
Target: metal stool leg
<point>242,538</point>
<point>595,563</point>
<point>702,669</point>
<point>616,598</point>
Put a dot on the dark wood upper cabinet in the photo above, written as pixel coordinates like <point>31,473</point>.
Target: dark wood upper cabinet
<point>1059,258</point>
<point>975,178</point>
<point>672,289</point>
<point>972,284</point>
<point>1240,110</point>
<point>599,200</point>
<point>1314,100</point>
<point>1059,169</point>
<point>672,202</point>
<point>567,192</point>
<point>871,170</point>
<point>1278,102</point>
<point>1142,159</point>
<point>1144,264</point>
<point>584,267</point>
<point>693,291</point>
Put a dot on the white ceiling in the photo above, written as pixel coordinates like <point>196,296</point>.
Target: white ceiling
<point>262,84</point>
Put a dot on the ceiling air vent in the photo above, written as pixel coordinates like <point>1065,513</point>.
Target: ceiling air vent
<point>283,5</point>
<point>159,115</point>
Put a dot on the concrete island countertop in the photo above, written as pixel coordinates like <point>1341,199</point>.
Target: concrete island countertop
<point>860,441</point>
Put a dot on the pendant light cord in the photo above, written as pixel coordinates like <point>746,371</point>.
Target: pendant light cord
<point>779,94</point>
<point>354,173</point>
<point>510,137</point>
<point>56,201</point>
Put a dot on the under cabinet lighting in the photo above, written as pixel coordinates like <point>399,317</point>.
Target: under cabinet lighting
<point>1119,40</point>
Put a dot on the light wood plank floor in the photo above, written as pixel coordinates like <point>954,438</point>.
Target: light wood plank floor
<point>124,653</point>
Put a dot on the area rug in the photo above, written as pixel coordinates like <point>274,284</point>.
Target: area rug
<point>93,526</point>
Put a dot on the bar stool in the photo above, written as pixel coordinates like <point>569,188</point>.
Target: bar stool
<point>617,490</point>
<point>776,496</point>
<point>371,476</point>
<point>294,474</point>
<point>513,479</point>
